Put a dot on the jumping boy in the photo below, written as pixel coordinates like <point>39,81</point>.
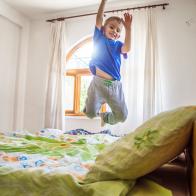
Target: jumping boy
<point>105,66</point>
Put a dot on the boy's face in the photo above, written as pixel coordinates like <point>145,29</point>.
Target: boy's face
<point>112,29</point>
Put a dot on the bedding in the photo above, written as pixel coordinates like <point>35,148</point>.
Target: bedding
<point>51,162</point>
<point>52,151</point>
<point>154,143</point>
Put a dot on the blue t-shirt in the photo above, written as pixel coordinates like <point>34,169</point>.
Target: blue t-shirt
<point>106,55</point>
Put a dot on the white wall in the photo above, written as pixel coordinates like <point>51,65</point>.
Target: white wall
<point>177,45</point>
<point>9,54</point>
<point>36,75</point>
<point>13,55</point>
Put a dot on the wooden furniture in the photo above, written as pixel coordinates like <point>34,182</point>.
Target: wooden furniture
<point>193,159</point>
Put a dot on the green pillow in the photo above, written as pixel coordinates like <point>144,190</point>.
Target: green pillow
<point>154,143</point>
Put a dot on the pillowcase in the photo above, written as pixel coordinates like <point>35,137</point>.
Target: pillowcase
<point>154,143</point>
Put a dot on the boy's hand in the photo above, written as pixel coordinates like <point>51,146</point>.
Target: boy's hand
<point>127,24</point>
<point>127,20</point>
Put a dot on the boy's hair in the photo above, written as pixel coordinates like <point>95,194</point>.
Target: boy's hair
<point>113,18</point>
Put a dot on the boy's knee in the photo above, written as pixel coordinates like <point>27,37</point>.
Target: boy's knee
<point>90,114</point>
<point>122,116</point>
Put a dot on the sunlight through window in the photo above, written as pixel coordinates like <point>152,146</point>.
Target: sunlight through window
<point>81,57</point>
<point>77,77</point>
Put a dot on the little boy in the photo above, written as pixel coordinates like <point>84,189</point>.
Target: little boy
<point>105,66</point>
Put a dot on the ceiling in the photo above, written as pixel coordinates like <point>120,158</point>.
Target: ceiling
<point>37,8</point>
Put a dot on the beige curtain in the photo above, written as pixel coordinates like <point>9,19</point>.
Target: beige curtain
<point>54,110</point>
<point>140,73</point>
<point>152,88</point>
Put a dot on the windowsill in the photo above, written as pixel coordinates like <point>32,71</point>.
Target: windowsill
<point>81,118</point>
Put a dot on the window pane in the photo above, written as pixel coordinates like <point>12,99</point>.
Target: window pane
<point>85,82</point>
<point>81,57</point>
<point>69,93</point>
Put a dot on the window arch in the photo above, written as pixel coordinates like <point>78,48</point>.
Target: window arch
<point>78,77</point>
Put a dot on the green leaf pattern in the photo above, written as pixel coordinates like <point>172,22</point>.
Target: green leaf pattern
<point>145,139</point>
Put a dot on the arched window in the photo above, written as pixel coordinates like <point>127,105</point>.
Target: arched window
<point>78,77</point>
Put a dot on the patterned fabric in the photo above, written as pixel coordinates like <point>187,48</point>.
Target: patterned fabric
<point>84,132</point>
<point>50,150</point>
<point>52,162</point>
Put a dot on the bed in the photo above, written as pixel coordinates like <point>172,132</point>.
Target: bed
<point>53,162</point>
<point>181,171</point>
<point>29,161</point>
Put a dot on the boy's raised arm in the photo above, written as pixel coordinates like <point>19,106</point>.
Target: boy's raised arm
<point>127,24</point>
<point>99,18</point>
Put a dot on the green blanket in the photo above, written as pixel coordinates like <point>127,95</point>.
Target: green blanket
<point>54,163</point>
<point>35,183</point>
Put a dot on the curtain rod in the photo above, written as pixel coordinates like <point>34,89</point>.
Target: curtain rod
<point>127,9</point>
